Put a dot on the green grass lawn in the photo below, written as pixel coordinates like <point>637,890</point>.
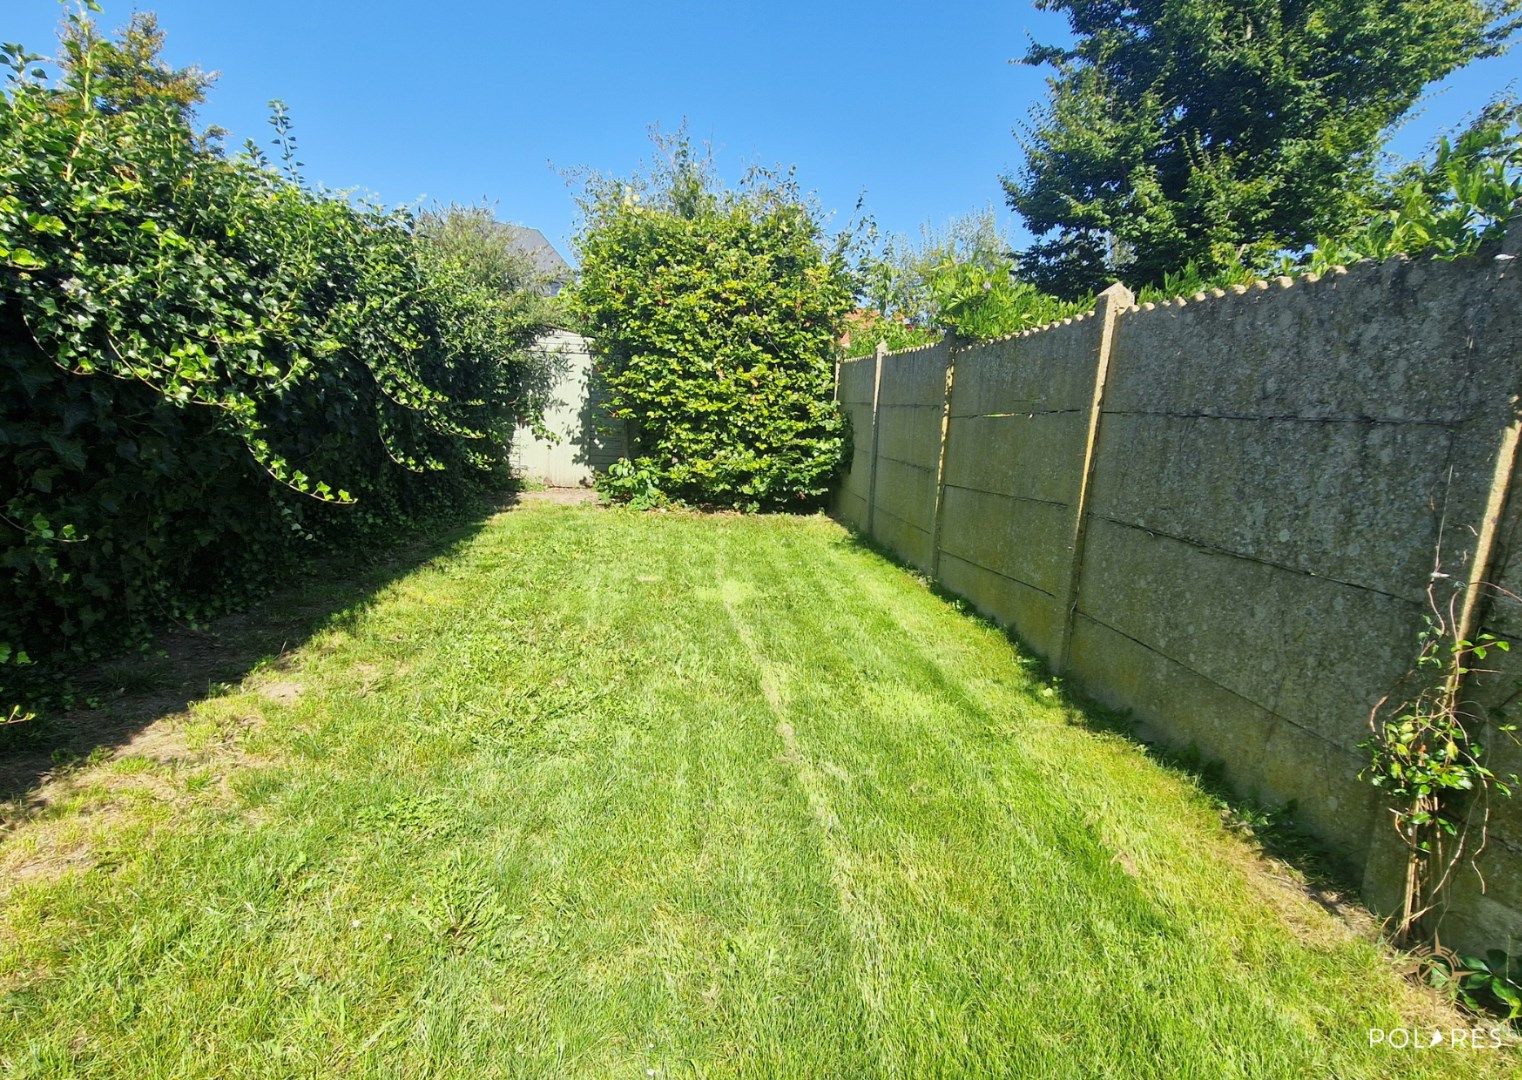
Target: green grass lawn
<point>600,794</point>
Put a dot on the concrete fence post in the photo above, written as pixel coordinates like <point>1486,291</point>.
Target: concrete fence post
<point>951,344</point>
<point>878,356</point>
<point>1111,302</point>
<point>1487,538</point>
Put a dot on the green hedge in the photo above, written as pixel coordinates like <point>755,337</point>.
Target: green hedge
<point>714,317</point>
<point>207,371</point>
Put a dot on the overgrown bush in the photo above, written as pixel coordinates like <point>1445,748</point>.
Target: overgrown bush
<point>1461,201</point>
<point>1189,280</point>
<point>960,281</point>
<point>208,371</point>
<point>1464,199</point>
<point>865,329</point>
<point>980,302</point>
<point>714,317</point>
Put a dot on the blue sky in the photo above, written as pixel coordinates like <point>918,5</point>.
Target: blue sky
<point>910,104</point>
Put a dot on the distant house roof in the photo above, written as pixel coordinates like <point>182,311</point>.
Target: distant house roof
<point>546,260</point>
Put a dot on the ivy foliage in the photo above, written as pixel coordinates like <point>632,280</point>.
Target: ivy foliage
<point>207,370</point>
<point>714,317</point>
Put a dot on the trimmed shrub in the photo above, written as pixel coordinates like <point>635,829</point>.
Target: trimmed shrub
<point>714,317</point>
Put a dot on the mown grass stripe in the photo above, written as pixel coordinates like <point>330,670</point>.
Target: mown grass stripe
<point>601,793</point>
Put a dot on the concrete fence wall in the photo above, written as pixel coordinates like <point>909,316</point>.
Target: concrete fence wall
<point>1223,515</point>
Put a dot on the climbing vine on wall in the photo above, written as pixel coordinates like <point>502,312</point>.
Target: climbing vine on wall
<point>1428,755</point>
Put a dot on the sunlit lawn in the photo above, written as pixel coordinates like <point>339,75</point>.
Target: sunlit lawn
<point>600,794</point>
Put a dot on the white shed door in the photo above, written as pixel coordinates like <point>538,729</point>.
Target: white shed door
<point>586,440</point>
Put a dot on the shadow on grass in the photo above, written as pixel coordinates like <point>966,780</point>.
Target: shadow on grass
<point>1325,877</point>
<point>128,693</point>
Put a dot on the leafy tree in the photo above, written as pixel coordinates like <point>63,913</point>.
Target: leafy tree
<point>714,316</point>
<point>471,240</point>
<point>494,301</point>
<point>1218,132</point>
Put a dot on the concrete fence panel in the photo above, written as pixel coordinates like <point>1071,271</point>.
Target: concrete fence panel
<point>1223,515</point>
<point>911,395</point>
<point>855,390</point>
<point>1013,463</point>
